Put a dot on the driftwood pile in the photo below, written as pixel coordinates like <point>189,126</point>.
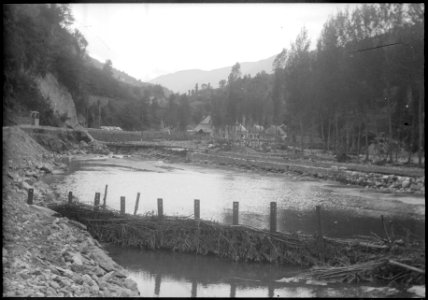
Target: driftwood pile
<point>364,259</point>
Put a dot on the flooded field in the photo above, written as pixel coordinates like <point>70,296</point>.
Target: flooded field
<point>347,211</point>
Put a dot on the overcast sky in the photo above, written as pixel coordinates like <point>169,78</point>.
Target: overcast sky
<point>149,40</point>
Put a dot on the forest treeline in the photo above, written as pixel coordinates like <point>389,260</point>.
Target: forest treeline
<point>363,82</point>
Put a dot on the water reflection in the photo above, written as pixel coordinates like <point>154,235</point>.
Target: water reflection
<point>165,274</point>
<point>175,274</point>
<point>157,284</point>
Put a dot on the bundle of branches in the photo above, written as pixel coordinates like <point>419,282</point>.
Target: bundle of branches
<point>354,259</point>
<point>238,243</point>
<point>185,235</point>
<point>392,270</point>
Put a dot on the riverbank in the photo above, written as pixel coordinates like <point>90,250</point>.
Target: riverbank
<point>342,173</point>
<point>44,254</point>
<point>399,179</point>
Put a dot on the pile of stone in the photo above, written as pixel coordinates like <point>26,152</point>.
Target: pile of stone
<point>387,182</point>
<point>46,255</point>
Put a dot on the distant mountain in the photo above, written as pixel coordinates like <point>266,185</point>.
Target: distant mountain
<point>124,77</point>
<point>182,81</point>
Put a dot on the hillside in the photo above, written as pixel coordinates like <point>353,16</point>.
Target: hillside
<point>185,80</point>
<point>62,83</point>
<point>124,77</point>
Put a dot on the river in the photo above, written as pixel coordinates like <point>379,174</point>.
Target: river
<point>346,211</point>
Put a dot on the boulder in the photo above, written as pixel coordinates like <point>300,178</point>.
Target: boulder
<point>77,259</point>
<point>405,184</point>
<point>47,168</point>
<point>418,290</point>
<point>130,284</point>
<point>103,260</point>
<point>88,280</point>
<point>65,272</point>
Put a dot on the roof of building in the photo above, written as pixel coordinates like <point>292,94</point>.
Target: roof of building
<point>275,130</point>
<point>205,125</point>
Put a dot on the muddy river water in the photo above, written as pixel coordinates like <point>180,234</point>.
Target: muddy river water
<point>346,211</point>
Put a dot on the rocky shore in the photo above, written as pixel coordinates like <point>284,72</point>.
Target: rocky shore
<point>44,254</point>
<point>372,180</point>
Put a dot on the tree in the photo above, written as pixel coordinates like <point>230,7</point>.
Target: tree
<point>222,83</point>
<point>108,68</point>
<point>298,83</point>
<point>183,112</point>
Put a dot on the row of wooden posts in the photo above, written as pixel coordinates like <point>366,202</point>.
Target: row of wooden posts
<point>197,208</point>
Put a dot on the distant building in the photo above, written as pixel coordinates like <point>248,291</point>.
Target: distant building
<point>277,131</point>
<point>34,118</point>
<point>205,126</point>
<point>256,131</point>
<point>111,128</point>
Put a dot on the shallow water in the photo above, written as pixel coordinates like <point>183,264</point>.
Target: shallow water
<point>166,274</point>
<point>346,211</point>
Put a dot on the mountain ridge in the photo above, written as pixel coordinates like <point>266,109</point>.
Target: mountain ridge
<point>184,80</point>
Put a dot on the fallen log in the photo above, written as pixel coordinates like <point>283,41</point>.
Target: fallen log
<point>356,243</point>
<point>411,268</point>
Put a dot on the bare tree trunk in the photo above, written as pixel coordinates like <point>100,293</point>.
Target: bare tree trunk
<point>412,139</point>
<point>301,137</point>
<point>367,142</point>
<point>389,105</point>
<point>329,135</point>
<point>359,140</point>
<point>346,140</point>
<point>323,133</point>
<point>390,133</point>
<point>337,133</point>
<point>421,122</point>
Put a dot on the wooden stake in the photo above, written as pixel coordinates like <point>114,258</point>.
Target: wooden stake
<point>320,236</point>
<point>194,292</point>
<point>136,203</point>
<point>122,205</point>
<point>30,196</point>
<point>319,228</point>
<point>70,197</point>
<point>271,291</point>
<point>105,196</point>
<point>384,228</point>
<point>97,201</point>
<point>160,207</point>
<point>232,290</point>
<point>235,213</point>
<point>197,209</point>
<point>273,217</point>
